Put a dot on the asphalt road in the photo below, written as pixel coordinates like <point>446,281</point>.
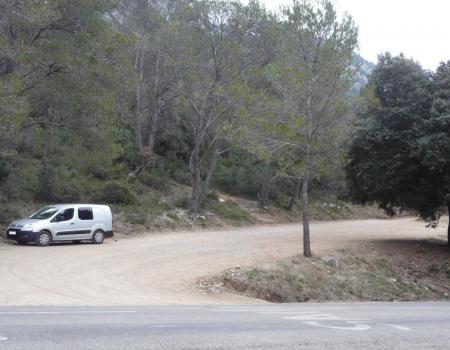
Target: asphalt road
<point>289,326</point>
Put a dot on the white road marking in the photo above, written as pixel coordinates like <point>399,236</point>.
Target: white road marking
<point>292,312</point>
<point>354,327</point>
<point>247,310</point>
<point>295,311</point>
<point>276,310</point>
<point>314,317</point>
<point>66,312</point>
<point>2,338</point>
<point>320,317</point>
<point>396,326</point>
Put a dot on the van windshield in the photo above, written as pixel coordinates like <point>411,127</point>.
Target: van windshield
<point>44,213</point>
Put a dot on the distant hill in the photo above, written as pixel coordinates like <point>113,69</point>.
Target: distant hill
<point>365,69</point>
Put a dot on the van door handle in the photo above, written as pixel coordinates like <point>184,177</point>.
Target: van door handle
<point>72,223</point>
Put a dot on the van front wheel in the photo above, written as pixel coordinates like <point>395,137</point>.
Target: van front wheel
<point>44,238</point>
<point>98,237</point>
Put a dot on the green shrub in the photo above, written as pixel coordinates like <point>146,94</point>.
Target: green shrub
<point>141,213</point>
<point>182,202</point>
<point>170,166</point>
<point>136,215</point>
<point>238,173</point>
<point>7,215</point>
<point>4,171</point>
<point>66,191</point>
<point>213,196</point>
<point>96,166</point>
<point>57,184</point>
<point>159,182</point>
<point>116,193</point>
<point>23,180</point>
<point>173,215</point>
<point>163,170</point>
<point>153,206</point>
<point>230,211</point>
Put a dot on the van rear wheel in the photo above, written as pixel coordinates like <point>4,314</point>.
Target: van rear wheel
<point>98,237</point>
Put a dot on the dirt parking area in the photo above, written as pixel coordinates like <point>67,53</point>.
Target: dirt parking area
<point>163,268</point>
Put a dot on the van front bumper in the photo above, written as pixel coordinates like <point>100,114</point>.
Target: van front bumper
<point>20,235</point>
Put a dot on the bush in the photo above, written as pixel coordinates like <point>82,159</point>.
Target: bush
<point>173,215</point>
<point>136,215</point>
<point>159,182</point>
<point>182,202</point>
<point>4,171</point>
<point>116,193</point>
<point>230,211</point>
<point>66,191</point>
<point>238,174</point>
<point>153,206</point>
<point>57,185</point>
<point>143,212</point>
<point>170,165</point>
<point>212,196</point>
<point>95,165</point>
<point>164,169</point>
<point>22,182</point>
<point>7,215</point>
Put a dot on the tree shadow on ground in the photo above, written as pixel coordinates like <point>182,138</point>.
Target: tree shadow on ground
<point>420,251</point>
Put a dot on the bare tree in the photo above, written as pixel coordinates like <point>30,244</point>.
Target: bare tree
<point>318,51</point>
<point>149,24</point>
<point>214,57</point>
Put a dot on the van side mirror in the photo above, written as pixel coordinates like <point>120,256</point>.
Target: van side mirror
<point>58,218</point>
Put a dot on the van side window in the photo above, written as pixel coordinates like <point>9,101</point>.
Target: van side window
<point>65,215</point>
<point>85,214</point>
<point>99,214</point>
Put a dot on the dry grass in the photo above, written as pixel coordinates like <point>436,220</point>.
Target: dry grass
<point>377,271</point>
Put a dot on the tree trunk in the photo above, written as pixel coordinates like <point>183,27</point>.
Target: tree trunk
<point>211,169</point>
<point>200,185</point>
<point>139,68</point>
<point>156,108</point>
<point>306,238</point>
<point>138,115</point>
<point>265,185</point>
<point>151,139</point>
<point>295,194</point>
<point>194,167</point>
<point>153,129</point>
<point>309,140</point>
<point>448,227</point>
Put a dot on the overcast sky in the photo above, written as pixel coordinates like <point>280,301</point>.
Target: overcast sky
<point>418,28</point>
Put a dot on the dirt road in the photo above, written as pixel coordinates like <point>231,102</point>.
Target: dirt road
<point>161,268</point>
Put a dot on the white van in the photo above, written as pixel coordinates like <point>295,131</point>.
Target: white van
<point>64,222</point>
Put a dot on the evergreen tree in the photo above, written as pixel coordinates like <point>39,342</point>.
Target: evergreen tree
<point>399,155</point>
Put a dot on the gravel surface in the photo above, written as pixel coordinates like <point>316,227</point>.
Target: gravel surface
<point>162,268</point>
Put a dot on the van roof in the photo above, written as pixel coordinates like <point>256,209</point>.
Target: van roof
<point>60,206</point>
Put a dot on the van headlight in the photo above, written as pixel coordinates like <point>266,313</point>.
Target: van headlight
<point>27,227</point>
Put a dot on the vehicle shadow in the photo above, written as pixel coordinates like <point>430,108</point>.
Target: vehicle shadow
<point>7,242</point>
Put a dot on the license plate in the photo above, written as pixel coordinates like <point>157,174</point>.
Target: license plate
<point>12,233</point>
